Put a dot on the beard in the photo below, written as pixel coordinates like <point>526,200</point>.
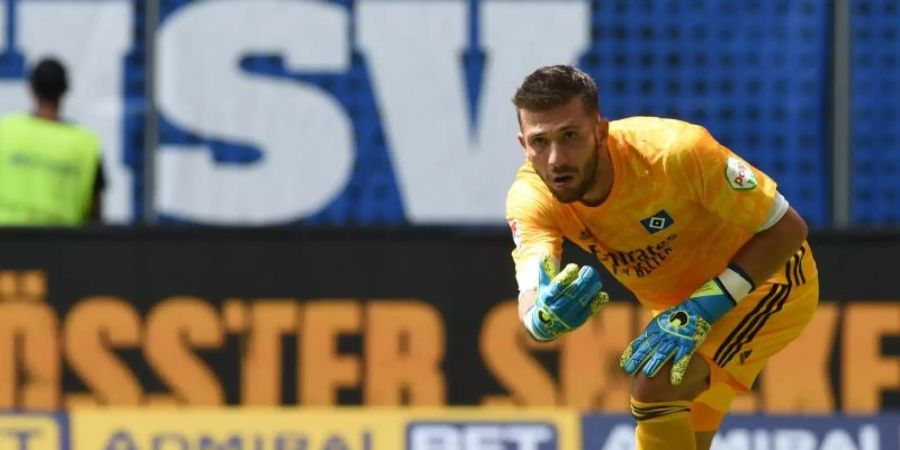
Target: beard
<point>587,174</point>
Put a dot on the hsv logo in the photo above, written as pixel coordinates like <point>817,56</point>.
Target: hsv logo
<point>739,175</point>
<point>657,222</point>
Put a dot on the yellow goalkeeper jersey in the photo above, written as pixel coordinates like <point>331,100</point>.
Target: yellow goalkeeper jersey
<point>680,207</point>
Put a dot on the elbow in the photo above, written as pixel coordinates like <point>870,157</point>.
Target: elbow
<point>799,230</point>
<point>804,231</point>
<point>790,231</point>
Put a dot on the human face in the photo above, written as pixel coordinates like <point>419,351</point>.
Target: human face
<point>562,145</point>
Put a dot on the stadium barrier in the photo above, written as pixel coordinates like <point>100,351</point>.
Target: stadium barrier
<point>411,429</point>
<point>151,318</point>
<point>755,432</point>
<point>292,429</point>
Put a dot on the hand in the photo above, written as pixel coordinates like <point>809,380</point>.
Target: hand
<point>564,301</point>
<point>678,331</point>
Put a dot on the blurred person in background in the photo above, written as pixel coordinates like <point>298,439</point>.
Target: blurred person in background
<point>703,239</point>
<point>50,171</point>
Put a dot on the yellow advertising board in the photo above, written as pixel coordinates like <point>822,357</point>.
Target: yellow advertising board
<point>325,429</point>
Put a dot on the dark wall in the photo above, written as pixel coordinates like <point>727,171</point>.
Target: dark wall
<point>463,276</point>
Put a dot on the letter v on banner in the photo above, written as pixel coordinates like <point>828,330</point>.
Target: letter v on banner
<point>446,173</point>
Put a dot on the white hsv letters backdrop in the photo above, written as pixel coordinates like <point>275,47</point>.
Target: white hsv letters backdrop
<point>391,112</point>
<point>446,167</point>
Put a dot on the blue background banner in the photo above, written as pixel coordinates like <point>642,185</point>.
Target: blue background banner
<point>603,432</point>
<point>757,74</point>
<point>34,431</point>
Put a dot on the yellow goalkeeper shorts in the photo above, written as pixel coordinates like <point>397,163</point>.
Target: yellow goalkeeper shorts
<point>761,325</point>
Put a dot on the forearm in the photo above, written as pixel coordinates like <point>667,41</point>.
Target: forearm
<point>751,265</point>
<point>767,251</point>
<point>526,301</point>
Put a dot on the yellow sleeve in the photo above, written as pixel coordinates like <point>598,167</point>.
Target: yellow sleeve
<point>534,232</point>
<point>726,184</point>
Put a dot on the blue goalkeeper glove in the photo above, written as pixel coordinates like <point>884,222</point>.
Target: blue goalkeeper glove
<point>564,301</point>
<point>679,331</point>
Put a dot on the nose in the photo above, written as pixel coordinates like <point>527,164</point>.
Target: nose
<point>557,157</point>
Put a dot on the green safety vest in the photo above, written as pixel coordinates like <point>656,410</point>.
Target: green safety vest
<point>47,171</point>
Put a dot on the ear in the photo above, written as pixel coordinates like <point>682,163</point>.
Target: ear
<point>602,128</point>
<point>521,139</point>
<point>603,123</point>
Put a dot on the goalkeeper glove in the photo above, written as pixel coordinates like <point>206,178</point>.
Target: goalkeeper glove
<point>564,301</point>
<point>679,331</point>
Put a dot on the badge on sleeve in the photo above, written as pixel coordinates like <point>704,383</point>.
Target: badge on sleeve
<point>739,175</point>
<point>517,237</point>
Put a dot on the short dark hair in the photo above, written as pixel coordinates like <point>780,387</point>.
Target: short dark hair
<point>48,80</point>
<point>552,86</point>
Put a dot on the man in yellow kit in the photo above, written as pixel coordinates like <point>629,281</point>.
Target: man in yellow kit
<point>50,170</point>
<point>700,236</point>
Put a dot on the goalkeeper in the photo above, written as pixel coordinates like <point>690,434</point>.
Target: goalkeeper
<point>701,237</point>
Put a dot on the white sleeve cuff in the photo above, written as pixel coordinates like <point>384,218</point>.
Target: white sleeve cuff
<point>735,283</point>
<point>528,273</point>
<point>779,208</point>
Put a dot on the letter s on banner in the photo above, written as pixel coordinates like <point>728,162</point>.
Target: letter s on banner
<point>305,136</point>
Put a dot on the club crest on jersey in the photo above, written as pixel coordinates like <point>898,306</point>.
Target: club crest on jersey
<point>657,222</point>
<point>739,175</point>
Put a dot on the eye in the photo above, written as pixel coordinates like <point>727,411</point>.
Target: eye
<point>569,135</point>
<point>539,142</point>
